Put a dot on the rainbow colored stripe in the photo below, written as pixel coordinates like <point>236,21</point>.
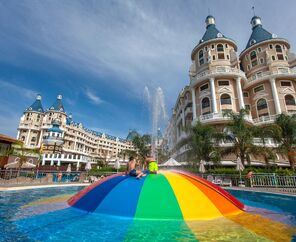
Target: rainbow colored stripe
<point>168,195</point>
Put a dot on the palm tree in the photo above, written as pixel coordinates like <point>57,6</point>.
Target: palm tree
<point>202,143</point>
<point>240,134</point>
<point>18,149</point>
<point>266,132</point>
<point>287,137</point>
<point>127,153</point>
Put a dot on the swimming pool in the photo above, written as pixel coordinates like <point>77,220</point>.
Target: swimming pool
<point>42,215</point>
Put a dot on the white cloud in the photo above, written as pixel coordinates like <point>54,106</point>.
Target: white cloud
<point>127,42</point>
<point>133,43</point>
<point>17,90</point>
<point>93,97</point>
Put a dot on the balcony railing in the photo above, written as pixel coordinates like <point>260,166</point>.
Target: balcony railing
<point>218,116</point>
<point>283,70</point>
<point>220,70</point>
<point>265,119</point>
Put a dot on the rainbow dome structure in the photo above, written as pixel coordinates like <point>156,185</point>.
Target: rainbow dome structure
<point>168,195</point>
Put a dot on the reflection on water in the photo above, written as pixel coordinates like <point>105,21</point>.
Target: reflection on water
<point>43,216</point>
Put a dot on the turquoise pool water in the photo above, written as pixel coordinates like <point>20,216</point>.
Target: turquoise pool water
<point>42,215</point>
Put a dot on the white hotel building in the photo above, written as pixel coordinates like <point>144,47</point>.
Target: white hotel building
<point>64,141</point>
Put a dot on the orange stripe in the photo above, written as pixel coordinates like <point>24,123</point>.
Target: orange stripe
<point>223,204</point>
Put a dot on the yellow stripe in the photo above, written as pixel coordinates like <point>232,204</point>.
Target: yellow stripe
<point>193,202</point>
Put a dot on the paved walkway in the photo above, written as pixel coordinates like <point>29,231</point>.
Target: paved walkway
<point>26,186</point>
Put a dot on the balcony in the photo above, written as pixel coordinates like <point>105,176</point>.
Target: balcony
<point>283,71</point>
<point>211,117</point>
<point>265,120</point>
<point>219,70</point>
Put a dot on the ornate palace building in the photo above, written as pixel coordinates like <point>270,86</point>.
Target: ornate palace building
<point>64,141</point>
<point>261,79</point>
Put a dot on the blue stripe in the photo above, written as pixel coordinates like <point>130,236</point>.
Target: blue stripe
<point>90,201</point>
<point>123,199</point>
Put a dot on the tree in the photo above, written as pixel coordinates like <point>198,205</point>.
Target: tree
<point>287,137</point>
<point>142,145</point>
<point>263,133</point>
<point>240,134</point>
<point>18,149</point>
<point>202,143</point>
<point>127,153</point>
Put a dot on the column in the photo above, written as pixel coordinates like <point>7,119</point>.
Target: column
<point>213,92</point>
<point>28,137</point>
<point>43,159</point>
<point>40,138</point>
<point>275,96</point>
<point>18,135</point>
<point>193,103</point>
<point>240,93</point>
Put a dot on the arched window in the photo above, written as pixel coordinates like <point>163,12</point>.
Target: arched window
<point>290,100</point>
<point>253,57</point>
<point>33,139</point>
<point>220,50</point>
<point>279,52</point>
<point>261,104</point>
<point>201,57</point>
<point>23,138</point>
<point>278,49</point>
<point>205,103</point>
<point>220,47</point>
<point>225,99</point>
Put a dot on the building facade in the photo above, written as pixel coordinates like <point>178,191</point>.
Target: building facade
<point>262,79</point>
<point>64,141</point>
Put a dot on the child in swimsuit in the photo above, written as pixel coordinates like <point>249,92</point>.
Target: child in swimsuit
<point>131,169</point>
<point>151,165</point>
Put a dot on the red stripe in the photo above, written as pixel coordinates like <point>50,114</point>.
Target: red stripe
<point>214,187</point>
<point>72,200</point>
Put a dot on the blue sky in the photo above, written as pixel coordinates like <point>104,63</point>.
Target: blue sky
<point>101,54</point>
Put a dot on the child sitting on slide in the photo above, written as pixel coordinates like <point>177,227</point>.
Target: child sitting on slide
<point>151,165</point>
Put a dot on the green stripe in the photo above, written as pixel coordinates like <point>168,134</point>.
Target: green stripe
<point>157,199</point>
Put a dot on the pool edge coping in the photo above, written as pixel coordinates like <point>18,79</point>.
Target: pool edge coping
<point>16,188</point>
<point>249,190</point>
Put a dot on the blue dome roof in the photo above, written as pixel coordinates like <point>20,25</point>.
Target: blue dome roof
<point>69,119</point>
<point>36,106</point>
<point>55,127</point>
<point>212,32</point>
<point>58,105</point>
<point>259,34</point>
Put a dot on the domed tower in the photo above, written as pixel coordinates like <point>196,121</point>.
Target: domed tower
<point>53,141</point>
<point>215,76</point>
<point>56,111</point>
<point>270,87</point>
<point>29,130</point>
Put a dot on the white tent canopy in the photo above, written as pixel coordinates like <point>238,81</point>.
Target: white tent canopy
<point>171,162</point>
